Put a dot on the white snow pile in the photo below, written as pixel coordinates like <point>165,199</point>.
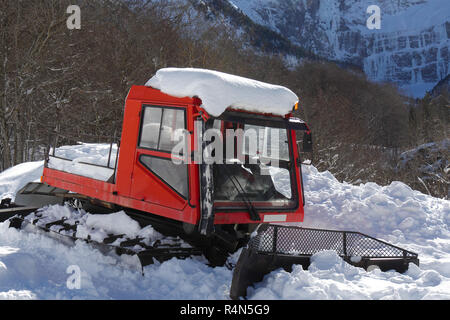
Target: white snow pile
<point>13,179</point>
<point>34,266</point>
<point>394,212</point>
<point>86,159</point>
<point>70,159</point>
<point>219,91</point>
<point>93,153</point>
<point>96,227</point>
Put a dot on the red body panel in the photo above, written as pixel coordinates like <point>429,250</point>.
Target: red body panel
<point>137,188</point>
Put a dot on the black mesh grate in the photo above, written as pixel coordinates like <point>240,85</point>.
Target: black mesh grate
<point>274,239</point>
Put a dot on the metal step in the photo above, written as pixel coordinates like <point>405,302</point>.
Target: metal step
<point>39,195</point>
<point>7,213</point>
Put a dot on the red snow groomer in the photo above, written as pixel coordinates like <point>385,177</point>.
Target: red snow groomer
<point>206,179</point>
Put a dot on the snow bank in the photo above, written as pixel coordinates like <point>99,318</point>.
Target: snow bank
<point>116,223</point>
<point>394,212</point>
<point>13,179</point>
<point>329,277</point>
<point>33,266</point>
<point>218,91</point>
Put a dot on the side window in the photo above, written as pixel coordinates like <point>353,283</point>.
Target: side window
<point>175,175</point>
<point>160,126</point>
<point>172,121</point>
<point>150,128</point>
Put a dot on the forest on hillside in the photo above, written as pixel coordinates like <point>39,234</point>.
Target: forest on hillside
<point>73,83</point>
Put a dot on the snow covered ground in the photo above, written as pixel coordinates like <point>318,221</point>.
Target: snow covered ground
<point>34,266</point>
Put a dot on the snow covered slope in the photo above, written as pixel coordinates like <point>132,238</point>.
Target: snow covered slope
<point>411,48</point>
<point>33,266</point>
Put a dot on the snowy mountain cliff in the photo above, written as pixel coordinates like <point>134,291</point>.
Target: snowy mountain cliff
<point>411,48</point>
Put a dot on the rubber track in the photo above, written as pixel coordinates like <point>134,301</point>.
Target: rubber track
<point>159,251</point>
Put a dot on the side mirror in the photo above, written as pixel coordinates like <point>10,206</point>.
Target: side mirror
<point>307,142</point>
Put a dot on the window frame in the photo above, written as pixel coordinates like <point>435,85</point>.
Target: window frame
<point>166,155</point>
<point>141,126</point>
<point>286,164</point>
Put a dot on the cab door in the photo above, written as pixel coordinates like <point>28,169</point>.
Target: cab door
<point>156,178</point>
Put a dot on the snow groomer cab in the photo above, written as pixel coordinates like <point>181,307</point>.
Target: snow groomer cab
<point>205,149</point>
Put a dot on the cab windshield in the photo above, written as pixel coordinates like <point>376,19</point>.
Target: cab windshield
<point>256,167</point>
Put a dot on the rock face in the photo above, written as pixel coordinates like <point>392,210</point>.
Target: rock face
<point>442,88</point>
<point>411,48</point>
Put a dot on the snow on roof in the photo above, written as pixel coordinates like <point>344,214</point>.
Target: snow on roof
<point>219,90</point>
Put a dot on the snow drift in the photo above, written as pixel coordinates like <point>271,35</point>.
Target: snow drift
<point>33,266</point>
<point>13,179</point>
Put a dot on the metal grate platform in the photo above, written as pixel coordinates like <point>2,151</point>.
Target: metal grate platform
<point>287,240</point>
<point>276,247</point>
